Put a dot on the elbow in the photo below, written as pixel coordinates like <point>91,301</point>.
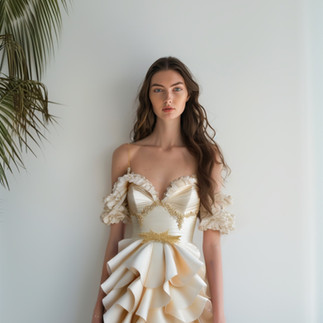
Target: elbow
<point>116,232</point>
<point>211,242</point>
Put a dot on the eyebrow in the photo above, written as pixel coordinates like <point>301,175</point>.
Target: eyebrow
<point>156,84</point>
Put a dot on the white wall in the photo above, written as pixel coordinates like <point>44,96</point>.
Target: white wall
<point>314,30</point>
<point>249,58</point>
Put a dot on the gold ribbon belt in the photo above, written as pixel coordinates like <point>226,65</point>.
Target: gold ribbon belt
<point>160,237</point>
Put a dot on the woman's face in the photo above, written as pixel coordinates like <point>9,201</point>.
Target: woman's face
<point>168,94</point>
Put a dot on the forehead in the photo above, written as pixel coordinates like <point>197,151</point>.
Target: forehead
<point>167,77</point>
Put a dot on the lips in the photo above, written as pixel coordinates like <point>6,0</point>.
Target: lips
<point>168,108</point>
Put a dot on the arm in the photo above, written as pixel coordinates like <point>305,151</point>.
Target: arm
<point>213,259</point>
<point>213,263</point>
<point>116,234</point>
<point>118,168</point>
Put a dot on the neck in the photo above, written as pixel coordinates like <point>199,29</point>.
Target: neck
<point>167,134</point>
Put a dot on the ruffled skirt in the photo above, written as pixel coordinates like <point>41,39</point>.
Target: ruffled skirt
<point>156,282</point>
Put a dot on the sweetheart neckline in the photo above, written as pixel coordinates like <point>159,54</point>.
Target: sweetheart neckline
<point>170,185</point>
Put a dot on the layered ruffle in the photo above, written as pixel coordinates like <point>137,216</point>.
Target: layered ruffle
<point>220,219</point>
<point>116,210</point>
<point>178,184</point>
<point>156,282</point>
<point>115,205</point>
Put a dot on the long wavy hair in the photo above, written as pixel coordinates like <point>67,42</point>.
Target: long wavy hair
<point>194,127</point>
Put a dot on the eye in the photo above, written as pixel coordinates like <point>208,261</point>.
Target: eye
<point>156,90</point>
<point>177,89</point>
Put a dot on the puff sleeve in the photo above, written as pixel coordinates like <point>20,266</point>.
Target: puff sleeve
<point>115,207</point>
<point>220,219</point>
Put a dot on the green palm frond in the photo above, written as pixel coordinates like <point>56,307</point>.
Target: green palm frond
<point>23,116</point>
<point>35,25</point>
<point>29,30</point>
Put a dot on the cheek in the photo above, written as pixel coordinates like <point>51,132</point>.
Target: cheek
<point>184,99</point>
<point>156,99</point>
<point>151,99</point>
<point>153,102</point>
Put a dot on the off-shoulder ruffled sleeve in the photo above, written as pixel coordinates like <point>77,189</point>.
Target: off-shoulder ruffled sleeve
<point>220,219</point>
<point>115,207</point>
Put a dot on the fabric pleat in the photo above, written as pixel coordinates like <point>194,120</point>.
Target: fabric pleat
<point>156,282</point>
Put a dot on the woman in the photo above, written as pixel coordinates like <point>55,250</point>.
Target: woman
<point>170,175</point>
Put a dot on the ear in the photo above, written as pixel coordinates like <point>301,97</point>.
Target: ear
<point>188,97</point>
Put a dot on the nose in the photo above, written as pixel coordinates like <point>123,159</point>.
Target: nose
<point>168,97</point>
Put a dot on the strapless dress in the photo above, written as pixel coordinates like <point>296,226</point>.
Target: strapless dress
<point>157,275</point>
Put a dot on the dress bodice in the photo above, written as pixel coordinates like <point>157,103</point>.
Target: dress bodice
<point>135,201</point>
<point>173,215</point>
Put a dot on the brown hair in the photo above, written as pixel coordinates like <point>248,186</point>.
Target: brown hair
<point>194,127</point>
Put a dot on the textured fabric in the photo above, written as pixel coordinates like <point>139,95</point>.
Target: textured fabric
<point>157,275</point>
<point>220,219</point>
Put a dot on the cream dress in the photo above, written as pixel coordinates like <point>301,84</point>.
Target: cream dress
<point>157,275</point>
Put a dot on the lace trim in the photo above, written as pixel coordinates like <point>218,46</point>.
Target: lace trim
<point>115,216</point>
<point>220,219</point>
<point>139,179</point>
<point>160,237</point>
<point>142,181</point>
<point>179,183</point>
<point>174,213</point>
<point>120,186</point>
<point>115,209</point>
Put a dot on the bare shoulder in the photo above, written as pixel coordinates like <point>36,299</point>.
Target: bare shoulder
<point>120,153</point>
<point>119,161</point>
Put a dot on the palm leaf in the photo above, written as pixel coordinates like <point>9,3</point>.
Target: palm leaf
<point>23,116</point>
<point>29,30</point>
<point>35,25</point>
